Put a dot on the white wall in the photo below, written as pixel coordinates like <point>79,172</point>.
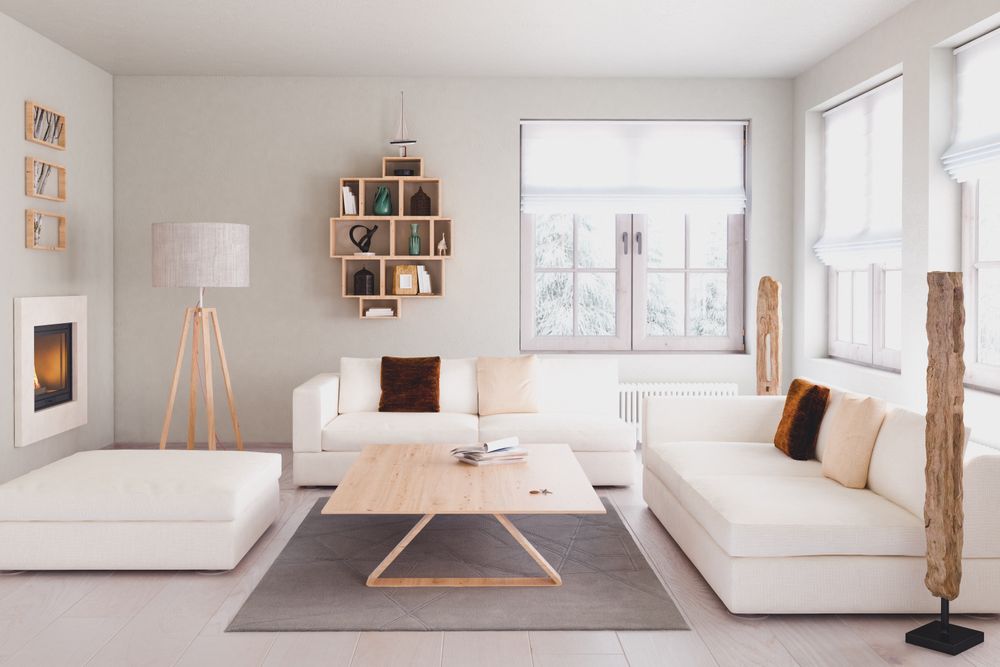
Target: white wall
<point>269,151</point>
<point>918,42</point>
<point>32,67</point>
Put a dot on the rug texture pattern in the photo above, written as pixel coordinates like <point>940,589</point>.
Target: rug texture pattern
<point>318,581</point>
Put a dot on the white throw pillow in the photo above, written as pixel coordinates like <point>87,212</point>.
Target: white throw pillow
<point>850,427</point>
<point>360,384</point>
<point>507,384</point>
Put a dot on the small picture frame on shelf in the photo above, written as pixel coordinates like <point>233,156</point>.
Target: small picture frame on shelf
<point>404,280</point>
<point>44,230</point>
<point>44,126</point>
<point>44,180</point>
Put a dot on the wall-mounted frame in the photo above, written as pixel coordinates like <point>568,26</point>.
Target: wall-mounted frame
<point>44,126</point>
<point>44,180</point>
<point>44,230</point>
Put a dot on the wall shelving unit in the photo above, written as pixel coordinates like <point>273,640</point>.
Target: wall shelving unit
<point>390,244</point>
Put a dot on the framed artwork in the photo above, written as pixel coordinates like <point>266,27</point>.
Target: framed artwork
<point>44,180</point>
<point>44,126</point>
<point>44,230</point>
<point>404,279</point>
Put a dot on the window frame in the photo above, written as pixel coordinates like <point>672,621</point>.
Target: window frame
<point>977,374</point>
<point>873,352</point>
<point>631,270</point>
<point>622,270</point>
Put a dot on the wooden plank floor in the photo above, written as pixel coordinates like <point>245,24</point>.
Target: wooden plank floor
<point>148,618</point>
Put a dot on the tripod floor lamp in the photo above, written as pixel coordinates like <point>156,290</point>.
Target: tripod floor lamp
<point>201,254</point>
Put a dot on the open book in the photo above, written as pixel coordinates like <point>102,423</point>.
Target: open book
<point>504,450</point>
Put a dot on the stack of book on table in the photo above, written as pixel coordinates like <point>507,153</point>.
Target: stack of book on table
<point>504,450</point>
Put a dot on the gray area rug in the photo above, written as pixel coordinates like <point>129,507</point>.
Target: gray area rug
<point>318,581</point>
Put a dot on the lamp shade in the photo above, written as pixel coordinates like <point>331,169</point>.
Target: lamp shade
<point>201,254</point>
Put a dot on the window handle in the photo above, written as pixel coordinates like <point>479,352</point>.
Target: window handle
<point>638,243</point>
<point>625,242</point>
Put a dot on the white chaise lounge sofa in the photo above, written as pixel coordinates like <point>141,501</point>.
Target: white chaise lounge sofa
<point>336,415</point>
<point>126,509</point>
<point>773,535</point>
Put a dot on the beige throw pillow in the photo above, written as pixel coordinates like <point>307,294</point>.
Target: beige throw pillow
<point>849,431</point>
<point>507,384</point>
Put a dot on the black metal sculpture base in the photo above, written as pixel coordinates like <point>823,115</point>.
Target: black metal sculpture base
<point>942,636</point>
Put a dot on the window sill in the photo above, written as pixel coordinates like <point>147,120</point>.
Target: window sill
<point>876,370</point>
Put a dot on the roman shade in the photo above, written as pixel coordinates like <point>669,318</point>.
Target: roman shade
<point>632,166</point>
<point>975,148</point>
<point>862,221</point>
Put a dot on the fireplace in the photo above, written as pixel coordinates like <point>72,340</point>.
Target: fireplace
<point>53,376</point>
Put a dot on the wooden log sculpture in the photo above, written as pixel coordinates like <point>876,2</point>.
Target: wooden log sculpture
<point>768,337</point>
<point>945,433</point>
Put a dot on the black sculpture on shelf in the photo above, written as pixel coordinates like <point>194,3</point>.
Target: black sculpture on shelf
<point>364,282</point>
<point>364,244</point>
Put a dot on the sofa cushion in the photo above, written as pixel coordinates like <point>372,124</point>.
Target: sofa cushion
<point>352,432</point>
<point>673,460</point>
<point>507,384</point>
<point>141,485</point>
<point>360,387</point>
<point>800,420</point>
<point>583,432</point>
<point>578,384</point>
<point>765,516</point>
<point>851,424</point>
<point>410,384</point>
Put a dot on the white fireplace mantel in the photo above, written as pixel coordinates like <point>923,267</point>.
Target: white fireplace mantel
<point>31,426</point>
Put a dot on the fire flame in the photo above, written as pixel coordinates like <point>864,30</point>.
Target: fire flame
<point>37,385</point>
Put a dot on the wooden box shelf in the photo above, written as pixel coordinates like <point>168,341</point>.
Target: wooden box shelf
<point>390,244</point>
<point>365,303</point>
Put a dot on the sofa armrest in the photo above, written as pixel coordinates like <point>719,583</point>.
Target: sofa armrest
<point>314,405</point>
<point>718,419</point>
<point>981,503</point>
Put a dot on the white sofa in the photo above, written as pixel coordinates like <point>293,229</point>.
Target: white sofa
<point>336,415</point>
<point>773,535</point>
<point>138,510</point>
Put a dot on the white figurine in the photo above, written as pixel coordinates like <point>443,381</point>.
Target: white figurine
<point>442,245</point>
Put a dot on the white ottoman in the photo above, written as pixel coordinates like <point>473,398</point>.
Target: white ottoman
<point>139,510</point>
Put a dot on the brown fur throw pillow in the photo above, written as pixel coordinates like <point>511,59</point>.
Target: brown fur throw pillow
<point>411,384</point>
<point>800,420</point>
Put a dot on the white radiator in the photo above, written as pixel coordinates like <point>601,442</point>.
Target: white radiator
<point>632,394</point>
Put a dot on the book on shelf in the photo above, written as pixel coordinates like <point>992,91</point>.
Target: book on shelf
<point>423,280</point>
<point>494,452</point>
<point>379,312</point>
<point>350,203</point>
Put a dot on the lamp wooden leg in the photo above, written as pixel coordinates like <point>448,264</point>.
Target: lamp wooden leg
<point>193,395</point>
<point>226,380</point>
<point>209,392</point>
<point>177,376</point>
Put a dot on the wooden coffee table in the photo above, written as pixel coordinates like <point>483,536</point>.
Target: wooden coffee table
<point>426,480</point>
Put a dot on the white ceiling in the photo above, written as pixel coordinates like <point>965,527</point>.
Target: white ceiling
<point>586,38</point>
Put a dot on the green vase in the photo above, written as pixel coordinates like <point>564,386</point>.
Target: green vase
<point>414,238</point>
<point>383,202</point>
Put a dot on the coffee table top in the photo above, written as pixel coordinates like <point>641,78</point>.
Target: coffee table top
<point>426,479</point>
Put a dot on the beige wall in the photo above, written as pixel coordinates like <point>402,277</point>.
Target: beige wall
<point>32,67</point>
<point>269,151</point>
<point>917,42</point>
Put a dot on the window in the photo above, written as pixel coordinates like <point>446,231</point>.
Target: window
<point>862,226</point>
<point>632,235</point>
<point>974,160</point>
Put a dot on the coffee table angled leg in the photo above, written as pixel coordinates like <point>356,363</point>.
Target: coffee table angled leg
<point>376,581</point>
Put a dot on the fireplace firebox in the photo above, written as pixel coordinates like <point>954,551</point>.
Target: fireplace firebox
<point>53,365</point>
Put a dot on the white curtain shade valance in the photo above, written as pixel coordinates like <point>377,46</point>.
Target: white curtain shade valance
<point>201,254</point>
<point>863,166</point>
<point>632,166</point>
<point>975,149</point>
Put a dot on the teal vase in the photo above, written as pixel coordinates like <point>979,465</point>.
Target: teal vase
<point>414,239</point>
<point>383,202</point>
